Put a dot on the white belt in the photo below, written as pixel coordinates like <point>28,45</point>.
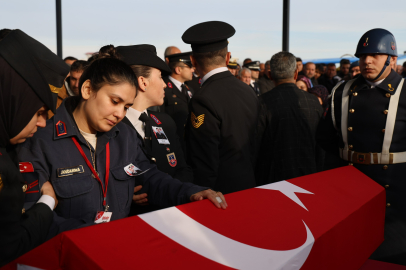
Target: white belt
<point>372,158</point>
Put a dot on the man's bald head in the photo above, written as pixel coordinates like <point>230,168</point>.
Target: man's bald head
<point>169,51</point>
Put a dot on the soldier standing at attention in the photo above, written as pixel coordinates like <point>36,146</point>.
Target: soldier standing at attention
<point>220,133</point>
<point>366,126</point>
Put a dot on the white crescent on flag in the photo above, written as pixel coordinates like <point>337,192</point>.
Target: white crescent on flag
<point>191,234</point>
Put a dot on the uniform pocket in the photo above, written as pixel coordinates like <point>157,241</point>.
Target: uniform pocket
<point>124,187</point>
<point>74,185</point>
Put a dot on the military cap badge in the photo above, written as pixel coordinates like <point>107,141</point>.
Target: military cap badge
<point>197,121</point>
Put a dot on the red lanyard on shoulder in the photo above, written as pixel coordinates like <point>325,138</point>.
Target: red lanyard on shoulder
<point>104,190</point>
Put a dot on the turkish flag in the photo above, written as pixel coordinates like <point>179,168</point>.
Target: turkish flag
<point>329,220</point>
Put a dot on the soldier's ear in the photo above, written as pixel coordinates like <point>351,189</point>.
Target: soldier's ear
<point>178,70</point>
<point>296,74</point>
<point>86,90</point>
<point>143,83</point>
<point>193,60</point>
<point>228,56</point>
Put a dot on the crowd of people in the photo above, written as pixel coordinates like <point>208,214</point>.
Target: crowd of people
<point>128,133</point>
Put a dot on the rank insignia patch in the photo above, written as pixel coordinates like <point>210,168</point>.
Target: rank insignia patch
<point>197,121</point>
<point>61,128</point>
<point>393,46</point>
<point>170,85</point>
<point>200,81</point>
<point>155,119</point>
<point>172,159</point>
<point>390,88</point>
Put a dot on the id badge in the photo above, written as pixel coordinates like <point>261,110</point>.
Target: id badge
<point>160,135</point>
<point>102,217</point>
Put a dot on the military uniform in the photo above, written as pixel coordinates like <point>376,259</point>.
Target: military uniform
<point>55,157</point>
<point>194,83</point>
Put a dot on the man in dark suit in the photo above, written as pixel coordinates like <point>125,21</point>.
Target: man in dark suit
<point>254,67</point>
<point>330,78</point>
<point>309,71</point>
<point>177,93</point>
<point>220,133</point>
<point>287,126</point>
<point>265,83</point>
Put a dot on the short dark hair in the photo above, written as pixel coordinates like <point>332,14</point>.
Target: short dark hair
<point>246,61</point>
<point>319,67</point>
<point>107,69</point>
<point>4,32</point>
<point>345,62</point>
<point>211,58</point>
<point>404,64</point>
<point>78,65</point>
<point>298,59</point>
<point>70,58</point>
<point>331,65</point>
<point>173,65</point>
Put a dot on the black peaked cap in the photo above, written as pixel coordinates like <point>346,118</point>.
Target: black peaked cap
<point>252,65</point>
<point>208,36</point>
<point>35,63</point>
<point>144,55</point>
<point>181,57</point>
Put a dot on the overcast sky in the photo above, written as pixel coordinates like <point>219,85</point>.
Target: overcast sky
<point>318,29</point>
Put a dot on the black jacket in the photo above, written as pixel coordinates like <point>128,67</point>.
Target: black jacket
<point>220,133</point>
<point>286,134</point>
<point>329,84</point>
<point>19,231</point>
<point>368,121</point>
<point>265,84</point>
<point>176,105</point>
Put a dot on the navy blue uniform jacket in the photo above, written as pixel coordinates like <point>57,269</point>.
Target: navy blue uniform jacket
<point>80,195</point>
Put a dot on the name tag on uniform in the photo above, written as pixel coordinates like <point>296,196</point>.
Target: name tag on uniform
<point>61,172</point>
<point>102,217</point>
<point>160,135</point>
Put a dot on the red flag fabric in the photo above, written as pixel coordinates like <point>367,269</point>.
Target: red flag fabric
<point>329,220</point>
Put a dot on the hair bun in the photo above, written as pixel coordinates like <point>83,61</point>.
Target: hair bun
<point>108,51</point>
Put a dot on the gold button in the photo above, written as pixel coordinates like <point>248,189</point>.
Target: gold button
<point>355,94</point>
<point>388,204</point>
<point>352,111</point>
<point>350,147</point>
<point>386,186</point>
<point>176,103</point>
<point>350,164</point>
<point>385,111</point>
<point>383,130</point>
<point>350,129</point>
<point>153,159</point>
<point>387,95</point>
<point>24,188</point>
<point>23,211</point>
<point>385,167</point>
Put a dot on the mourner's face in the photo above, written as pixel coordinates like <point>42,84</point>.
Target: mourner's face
<point>345,69</point>
<point>299,66</point>
<point>301,85</point>
<point>355,71</point>
<point>186,72</point>
<point>372,64</point>
<point>331,71</point>
<point>254,74</point>
<point>74,81</point>
<point>107,107</point>
<point>38,120</point>
<point>155,92</point>
<point>233,71</point>
<point>310,70</point>
<point>246,77</point>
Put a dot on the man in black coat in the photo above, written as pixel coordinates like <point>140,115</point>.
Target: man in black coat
<point>287,126</point>
<point>368,131</point>
<point>330,79</point>
<point>265,83</point>
<point>220,133</point>
<point>177,93</point>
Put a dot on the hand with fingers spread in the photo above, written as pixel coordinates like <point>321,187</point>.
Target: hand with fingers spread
<point>217,198</point>
<point>140,199</point>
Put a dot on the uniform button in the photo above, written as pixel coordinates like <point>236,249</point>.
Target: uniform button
<point>355,94</point>
<point>350,164</point>
<point>176,103</point>
<point>388,205</point>
<point>386,186</point>
<point>23,211</point>
<point>350,129</point>
<point>153,159</point>
<point>350,147</point>
<point>385,111</point>
<point>24,188</point>
<point>383,130</point>
<point>387,95</point>
<point>385,167</point>
<point>352,110</point>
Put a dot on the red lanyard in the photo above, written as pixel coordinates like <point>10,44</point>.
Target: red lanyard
<point>92,169</point>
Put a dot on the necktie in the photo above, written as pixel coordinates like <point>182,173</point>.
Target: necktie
<point>184,91</point>
<point>147,139</point>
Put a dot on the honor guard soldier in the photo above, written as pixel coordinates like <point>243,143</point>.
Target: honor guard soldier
<point>232,66</point>
<point>224,112</point>
<point>254,67</point>
<point>177,93</point>
<point>366,126</point>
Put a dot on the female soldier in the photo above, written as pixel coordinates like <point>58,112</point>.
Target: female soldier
<point>24,100</point>
<point>93,161</point>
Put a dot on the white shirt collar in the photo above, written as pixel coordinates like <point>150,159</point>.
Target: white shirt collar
<point>211,73</point>
<point>133,115</point>
<point>374,84</point>
<point>177,83</point>
<point>70,93</point>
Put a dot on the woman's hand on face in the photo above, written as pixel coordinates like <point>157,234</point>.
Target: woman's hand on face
<point>47,189</point>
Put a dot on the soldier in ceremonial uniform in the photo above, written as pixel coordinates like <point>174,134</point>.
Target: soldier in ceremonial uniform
<point>366,126</point>
<point>25,97</point>
<point>177,93</point>
<point>224,112</point>
<point>232,66</point>
<point>254,67</point>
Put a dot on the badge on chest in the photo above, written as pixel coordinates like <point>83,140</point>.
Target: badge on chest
<point>160,135</point>
<point>61,172</point>
<point>172,159</point>
<point>103,217</point>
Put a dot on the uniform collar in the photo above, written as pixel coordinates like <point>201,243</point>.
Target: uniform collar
<point>389,84</point>
<point>177,83</point>
<point>65,126</point>
<point>211,73</point>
